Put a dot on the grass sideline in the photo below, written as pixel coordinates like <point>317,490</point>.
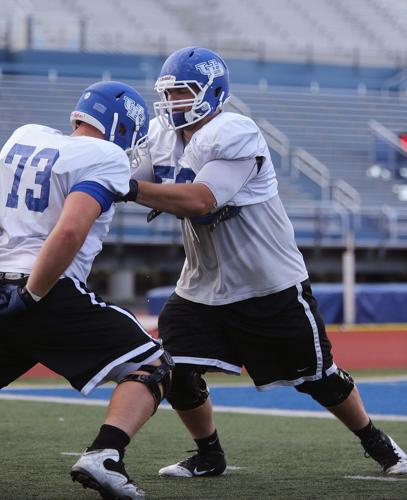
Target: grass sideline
<point>272,457</point>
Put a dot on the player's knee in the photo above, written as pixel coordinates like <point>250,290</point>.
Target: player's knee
<point>329,391</point>
<point>188,389</point>
<point>157,379</point>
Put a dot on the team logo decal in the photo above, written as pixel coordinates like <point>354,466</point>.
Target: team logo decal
<point>211,67</point>
<point>134,111</point>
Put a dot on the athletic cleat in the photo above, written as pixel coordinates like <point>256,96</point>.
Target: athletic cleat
<point>103,471</point>
<point>200,465</point>
<point>387,453</point>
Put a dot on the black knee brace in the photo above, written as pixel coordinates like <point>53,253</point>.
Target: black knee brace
<point>188,388</point>
<point>331,390</point>
<point>156,375</point>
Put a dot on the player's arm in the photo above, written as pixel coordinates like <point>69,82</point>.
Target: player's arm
<point>214,186</point>
<point>183,200</point>
<point>77,217</point>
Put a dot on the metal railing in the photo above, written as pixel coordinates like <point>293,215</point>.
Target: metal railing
<point>388,136</point>
<point>304,163</point>
<point>315,224</point>
<point>346,195</point>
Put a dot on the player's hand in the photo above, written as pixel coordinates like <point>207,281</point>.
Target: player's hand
<point>131,195</point>
<point>15,300</point>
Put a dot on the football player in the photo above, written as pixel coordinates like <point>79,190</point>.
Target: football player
<point>56,204</point>
<point>243,297</point>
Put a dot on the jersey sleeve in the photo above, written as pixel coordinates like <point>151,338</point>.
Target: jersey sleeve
<point>236,139</point>
<point>225,178</point>
<point>109,168</point>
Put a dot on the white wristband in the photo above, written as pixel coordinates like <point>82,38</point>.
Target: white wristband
<point>37,298</point>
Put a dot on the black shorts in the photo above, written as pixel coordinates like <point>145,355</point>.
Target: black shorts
<point>75,333</point>
<point>280,338</point>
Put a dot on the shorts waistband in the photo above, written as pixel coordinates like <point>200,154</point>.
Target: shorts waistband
<point>10,276</point>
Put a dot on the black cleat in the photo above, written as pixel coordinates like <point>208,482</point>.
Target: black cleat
<point>387,453</point>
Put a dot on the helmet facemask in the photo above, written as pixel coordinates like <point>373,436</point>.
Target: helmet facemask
<point>137,147</point>
<point>166,109</point>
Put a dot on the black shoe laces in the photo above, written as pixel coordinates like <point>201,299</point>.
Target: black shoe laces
<point>201,459</point>
<point>380,449</point>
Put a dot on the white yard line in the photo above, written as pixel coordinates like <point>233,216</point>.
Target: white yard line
<point>55,399</point>
<point>217,408</point>
<point>374,478</point>
<point>369,380</point>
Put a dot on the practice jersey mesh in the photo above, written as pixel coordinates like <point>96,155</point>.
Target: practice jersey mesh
<point>38,167</point>
<point>249,255</point>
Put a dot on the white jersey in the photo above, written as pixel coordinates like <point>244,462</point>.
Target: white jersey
<point>249,255</point>
<point>38,168</point>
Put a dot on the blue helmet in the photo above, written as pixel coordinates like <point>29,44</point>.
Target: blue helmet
<point>115,109</point>
<point>204,74</point>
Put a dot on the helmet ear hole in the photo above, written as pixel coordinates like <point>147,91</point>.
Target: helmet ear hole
<point>217,91</point>
<point>122,129</point>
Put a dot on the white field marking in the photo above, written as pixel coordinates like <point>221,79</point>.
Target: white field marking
<point>235,467</point>
<point>373,380</point>
<point>217,408</point>
<point>298,413</point>
<point>23,387</point>
<point>71,453</point>
<point>52,399</point>
<point>374,478</point>
<point>384,379</point>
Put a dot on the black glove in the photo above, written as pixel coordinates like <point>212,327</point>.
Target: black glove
<point>131,195</point>
<point>14,300</point>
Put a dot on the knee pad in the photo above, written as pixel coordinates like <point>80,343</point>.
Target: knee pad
<point>156,375</point>
<point>329,391</point>
<point>188,388</point>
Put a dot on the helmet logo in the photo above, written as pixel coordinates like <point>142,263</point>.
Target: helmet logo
<point>134,111</point>
<point>211,67</point>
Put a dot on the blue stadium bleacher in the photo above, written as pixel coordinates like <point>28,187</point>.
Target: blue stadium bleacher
<point>309,75</point>
<point>333,125</point>
<point>307,119</point>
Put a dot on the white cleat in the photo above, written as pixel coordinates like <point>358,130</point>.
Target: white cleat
<point>103,471</point>
<point>199,465</point>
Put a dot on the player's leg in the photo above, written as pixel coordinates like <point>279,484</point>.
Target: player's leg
<point>192,333</point>
<point>337,392</point>
<point>134,400</point>
<point>287,345</point>
<point>14,362</point>
<point>98,342</point>
<point>190,398</point>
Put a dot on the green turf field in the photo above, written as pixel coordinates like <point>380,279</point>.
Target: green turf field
<point>271,457</point>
